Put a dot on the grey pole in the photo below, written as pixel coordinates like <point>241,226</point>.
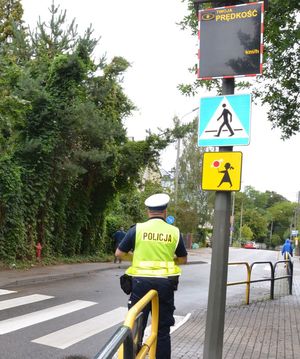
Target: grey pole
<point>232,219</point>
<point>177,173</point>
<point>178,156</point>
<point>214,330</point>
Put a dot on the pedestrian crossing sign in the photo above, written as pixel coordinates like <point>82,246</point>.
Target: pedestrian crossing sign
<point>224,120</point>
<point>221,171</point>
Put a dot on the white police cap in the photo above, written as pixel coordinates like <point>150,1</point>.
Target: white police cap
<point>157,201</point>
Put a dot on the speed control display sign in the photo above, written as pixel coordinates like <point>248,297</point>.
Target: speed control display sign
<point>231,41</point>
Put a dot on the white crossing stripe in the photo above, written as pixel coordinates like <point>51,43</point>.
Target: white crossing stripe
<point>4,291</point>
<point>179,321</point>
<point>16,302</point>
<point>23,321</point>
<point>75,333</point>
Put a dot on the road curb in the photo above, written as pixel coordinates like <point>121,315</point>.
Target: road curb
<point>62,276</point>
<point>55,277</point>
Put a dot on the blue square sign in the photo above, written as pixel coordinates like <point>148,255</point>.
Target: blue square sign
<point>224,120</point>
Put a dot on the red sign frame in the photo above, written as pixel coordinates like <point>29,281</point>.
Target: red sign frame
<point>231,41</point>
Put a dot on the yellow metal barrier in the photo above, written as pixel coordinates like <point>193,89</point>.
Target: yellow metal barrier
<point>151,342</point>
<point>247,282</point>
<point>272,279</point>
<point>287,258</point>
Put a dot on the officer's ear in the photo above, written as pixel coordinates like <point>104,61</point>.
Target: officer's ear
<point>165,213</point>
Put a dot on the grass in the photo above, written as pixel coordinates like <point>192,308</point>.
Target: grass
<point>48,261</point>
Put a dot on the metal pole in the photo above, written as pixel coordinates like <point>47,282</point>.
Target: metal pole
<point>214,330</point>
<point>271,231</point>
<point>177,173</point>
<point>177,158</point>
<point>241,222</point>
<point>232,219</point>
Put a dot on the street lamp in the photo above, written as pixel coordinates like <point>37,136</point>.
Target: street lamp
<point>178,155</point>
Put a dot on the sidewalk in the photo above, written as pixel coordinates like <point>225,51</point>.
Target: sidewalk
<point>265,329</point>
<point>14,277</point>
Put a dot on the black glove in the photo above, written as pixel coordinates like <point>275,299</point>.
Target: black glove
<point>126,283</point>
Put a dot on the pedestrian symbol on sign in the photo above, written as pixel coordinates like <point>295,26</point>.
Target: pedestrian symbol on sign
<point>221,171</point>
<point>225,114</point>
<point>224,120</point>
<point>226,176</point>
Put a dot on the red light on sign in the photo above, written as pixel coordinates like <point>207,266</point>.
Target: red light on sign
<point>216,163</point>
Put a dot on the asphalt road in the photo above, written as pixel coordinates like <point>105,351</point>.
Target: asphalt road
<point>45,328</point>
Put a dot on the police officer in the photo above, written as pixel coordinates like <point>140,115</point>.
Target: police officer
<point>157,249</point>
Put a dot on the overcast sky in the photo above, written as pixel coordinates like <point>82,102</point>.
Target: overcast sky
<point>146,34</point>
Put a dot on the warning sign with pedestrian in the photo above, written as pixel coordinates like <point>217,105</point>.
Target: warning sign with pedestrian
<point>224,120</point>
<point>221,171</point>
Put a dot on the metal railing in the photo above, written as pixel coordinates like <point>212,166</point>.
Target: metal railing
<point>126,338</point>
<point>247,282</point>
<point>123,335</point>
<point>150,344</point>
<point>272,279</point>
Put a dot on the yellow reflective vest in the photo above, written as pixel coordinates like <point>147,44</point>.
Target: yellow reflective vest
<point>155,245</point>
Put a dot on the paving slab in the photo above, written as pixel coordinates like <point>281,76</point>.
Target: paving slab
<point>264,329</point>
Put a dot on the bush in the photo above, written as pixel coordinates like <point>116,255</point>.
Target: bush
<point>273,242</point>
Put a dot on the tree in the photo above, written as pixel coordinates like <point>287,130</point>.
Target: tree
<point>279,86</point>
<point>71,155</point>
<point>12,107</point>
<point>11,13</point>
<point>246,233</point>
<point>281,215</point>
<point>257,222</point>
<point>194,206</point>
<point>12,112</point>
<point>267,214</point>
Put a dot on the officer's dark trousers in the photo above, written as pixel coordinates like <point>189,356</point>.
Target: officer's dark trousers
<point>164,287</point>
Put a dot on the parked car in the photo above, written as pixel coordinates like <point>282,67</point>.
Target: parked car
<point>251,245</point>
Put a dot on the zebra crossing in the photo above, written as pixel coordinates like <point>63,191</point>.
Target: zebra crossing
<point>70,335</point>
<point>16,302</point>
<point>66,337</point>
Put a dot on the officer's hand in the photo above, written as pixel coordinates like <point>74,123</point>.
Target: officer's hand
<point>127,257</point>
<point>180,260</point>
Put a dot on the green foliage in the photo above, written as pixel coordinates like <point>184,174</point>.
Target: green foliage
<point>267,214</point>
<point>194,207</point>
<point>12,227</point>
<point>246,233</point>
<point>281,80</point>
<point>11,13</point>
<point>280,216</point>
<point>54,260</point>
<point>64,150</point>
<point>258,223</point>
<point>274,241</point>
